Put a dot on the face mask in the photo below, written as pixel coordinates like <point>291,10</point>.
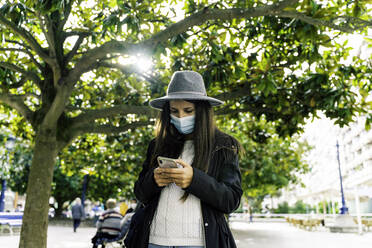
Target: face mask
<point>184,125</point>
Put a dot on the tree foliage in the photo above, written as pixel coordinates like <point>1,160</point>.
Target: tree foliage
<point>299,208</point>
<point>112,162</point>
<point>15,160</point>
<point>268,162</point>
<point>15,169</point>
<point>65,188</point>
<point>64,69</point>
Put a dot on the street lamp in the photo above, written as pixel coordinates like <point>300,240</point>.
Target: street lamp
<point>343,209</point>
<point>9,144</point>
<point>85,185</point>
<point>86,173</point>
<point>344,222</point>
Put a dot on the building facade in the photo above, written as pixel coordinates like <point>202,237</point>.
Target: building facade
<point>353,158</point>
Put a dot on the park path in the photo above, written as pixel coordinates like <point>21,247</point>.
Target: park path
<point>247,235</point>
<point>282,235</point>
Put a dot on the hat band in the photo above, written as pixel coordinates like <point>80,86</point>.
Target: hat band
<point>187,92</point>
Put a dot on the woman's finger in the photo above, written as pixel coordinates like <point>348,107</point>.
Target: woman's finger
<point>162,179</point>
<point>183,163</point>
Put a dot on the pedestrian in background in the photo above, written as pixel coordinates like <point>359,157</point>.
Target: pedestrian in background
<point>77,212</point>
<point>186,206</point>
<point>108,224</point>
<point>97,210</point>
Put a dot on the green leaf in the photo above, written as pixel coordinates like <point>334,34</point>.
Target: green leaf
<point>269,70</point>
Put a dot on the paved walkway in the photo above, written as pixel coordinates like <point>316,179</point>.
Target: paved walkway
<point>255,235</point>
<point>282,235</point>
<point>58,237</point>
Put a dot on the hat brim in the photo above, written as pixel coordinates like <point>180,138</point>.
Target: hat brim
<point>158,103</point>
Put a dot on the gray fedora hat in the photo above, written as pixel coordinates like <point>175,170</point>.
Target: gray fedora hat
<point>185,85</point>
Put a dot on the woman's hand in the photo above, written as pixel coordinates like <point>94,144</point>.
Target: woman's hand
<point>182,177</point>
<point>161,179</point>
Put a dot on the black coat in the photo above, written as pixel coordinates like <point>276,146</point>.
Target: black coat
<point>219,191</point>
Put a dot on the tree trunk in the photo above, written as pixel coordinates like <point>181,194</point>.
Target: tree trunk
<point>35,218</point>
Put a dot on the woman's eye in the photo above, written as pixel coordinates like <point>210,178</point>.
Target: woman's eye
<point>189,110</point>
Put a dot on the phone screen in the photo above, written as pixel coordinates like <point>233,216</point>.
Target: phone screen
<point>167,162</point>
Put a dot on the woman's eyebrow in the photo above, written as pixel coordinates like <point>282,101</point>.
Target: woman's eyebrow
<point>185,108</point>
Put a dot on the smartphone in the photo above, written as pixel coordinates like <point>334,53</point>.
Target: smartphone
<point>167,162</point>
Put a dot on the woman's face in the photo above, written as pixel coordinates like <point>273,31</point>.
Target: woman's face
<point>181,108</point>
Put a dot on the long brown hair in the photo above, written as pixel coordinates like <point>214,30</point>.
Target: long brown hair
<point>169,142</point>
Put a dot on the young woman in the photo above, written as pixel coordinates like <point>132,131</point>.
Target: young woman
<point>186,206</point>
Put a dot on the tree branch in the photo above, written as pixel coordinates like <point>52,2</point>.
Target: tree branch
<point>32,76</point>
<point>108,129</point>
<point>207,14</point>
<point>46,25</point>
<point>352,24</point>
<point>15,85</point>
<point>77,44</point>
<point>26,36</point>
<point>129,69</point>
<point>91,115</point>
<point>66,14</point>
<point>24,51</point>
<point>60,100</point>
<point>243,90</point>
<point>17,102</point>
<point>43,25</point>
<point>125,69</point>
<point>93,56</point>
<point>56,108</point>
<point>18,43</point>
<point>76,33</point>
<point>112,47</point>
<point>252,109</point>
<point>198,18</point>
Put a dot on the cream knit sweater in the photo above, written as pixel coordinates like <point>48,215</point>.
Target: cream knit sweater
<point>178,223</point>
